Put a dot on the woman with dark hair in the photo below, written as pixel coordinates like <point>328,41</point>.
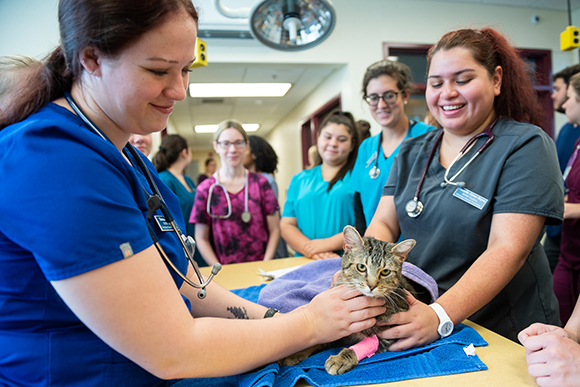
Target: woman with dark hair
<point>386,89</point>
<point>170,162</point>
<point>88,298</point>
<point>320,201</point>
<point>262,158</point>
<point>210,168</point>
<point>475,195</point>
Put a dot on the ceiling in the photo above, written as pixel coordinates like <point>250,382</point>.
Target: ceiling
<point>264,111</point>
<point>268,112</point>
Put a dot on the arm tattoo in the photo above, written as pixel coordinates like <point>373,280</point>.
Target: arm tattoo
<point>238,312</point>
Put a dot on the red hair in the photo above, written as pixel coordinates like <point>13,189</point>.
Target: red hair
<point>517,99</point>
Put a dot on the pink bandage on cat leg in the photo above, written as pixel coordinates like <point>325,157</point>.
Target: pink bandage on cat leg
<point>366,348</point>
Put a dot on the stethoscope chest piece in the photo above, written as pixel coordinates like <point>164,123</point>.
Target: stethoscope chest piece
<point>414,208</point>
<point>246,217</point>
<point>374,172</point>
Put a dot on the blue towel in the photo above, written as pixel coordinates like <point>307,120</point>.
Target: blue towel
<point>443,357</point>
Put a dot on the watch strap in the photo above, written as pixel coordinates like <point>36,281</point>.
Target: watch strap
<point>445,324</point>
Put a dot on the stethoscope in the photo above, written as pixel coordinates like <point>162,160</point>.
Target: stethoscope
<point>246,216</point>
<point>155,202</point>
<point>375,171</point>
<point>414,207</point>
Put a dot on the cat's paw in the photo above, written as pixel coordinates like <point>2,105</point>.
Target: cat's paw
<point>345,361</point>
<point>298,356</point>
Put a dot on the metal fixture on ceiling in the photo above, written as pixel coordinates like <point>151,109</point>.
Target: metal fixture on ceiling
<point>287,25</point>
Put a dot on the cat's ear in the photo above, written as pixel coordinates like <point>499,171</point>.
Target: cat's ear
<point>352,239</point>
<point>401,249</point>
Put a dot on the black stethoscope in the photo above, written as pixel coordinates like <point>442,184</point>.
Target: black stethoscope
<point>414,207</point>
<point>155,202</point>
<point>246,216</point>
<point>375,171</point>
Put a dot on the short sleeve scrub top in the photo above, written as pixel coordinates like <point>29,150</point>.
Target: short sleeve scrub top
<point>370,153</point>
<point>71,204</point>
<point>319,213</point>
<point>517,173</point>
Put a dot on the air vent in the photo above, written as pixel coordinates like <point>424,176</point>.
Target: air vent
<point>212,100</point>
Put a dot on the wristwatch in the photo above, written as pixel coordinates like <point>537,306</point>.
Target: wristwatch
<point>445,324</point>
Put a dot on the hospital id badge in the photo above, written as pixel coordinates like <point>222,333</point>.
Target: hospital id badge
<point>162,223</point>
<point>470,197</point>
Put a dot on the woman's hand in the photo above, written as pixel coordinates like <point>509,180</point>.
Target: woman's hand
<point>539,329</point>
<point>316,246</point>
<point>571,210</point>
<point>327,255</point>
<point>339,312</point>
<point>413,328</point>
<point>553,359</point>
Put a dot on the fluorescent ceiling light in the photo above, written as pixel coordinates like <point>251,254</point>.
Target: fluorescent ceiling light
<point>224,90</point>
<point>213,128</point>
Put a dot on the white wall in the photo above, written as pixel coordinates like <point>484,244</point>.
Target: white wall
<point>29,27</point>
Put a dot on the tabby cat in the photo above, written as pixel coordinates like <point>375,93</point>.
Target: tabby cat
<point>374,268</point>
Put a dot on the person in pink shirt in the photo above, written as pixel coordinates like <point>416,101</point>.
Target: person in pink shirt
<point>235,210</point>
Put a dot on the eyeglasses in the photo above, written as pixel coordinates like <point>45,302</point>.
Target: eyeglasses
<point>389,97</point>
<point>226,144</point>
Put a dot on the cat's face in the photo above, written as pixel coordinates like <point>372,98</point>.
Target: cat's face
<point>372,266</point>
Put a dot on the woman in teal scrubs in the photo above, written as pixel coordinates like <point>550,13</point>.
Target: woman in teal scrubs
<point>320,201</point>
<point>386,89</point>
<point>171,161</point>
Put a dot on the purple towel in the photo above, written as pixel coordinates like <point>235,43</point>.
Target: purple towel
<point>298,287</point>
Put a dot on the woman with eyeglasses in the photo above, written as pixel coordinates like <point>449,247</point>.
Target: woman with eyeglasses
<point>235,210</point>
<point>386,89</point>
<point>320,201</point>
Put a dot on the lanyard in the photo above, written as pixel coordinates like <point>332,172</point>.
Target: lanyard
<point>155,202</point>
<point>570,163</point>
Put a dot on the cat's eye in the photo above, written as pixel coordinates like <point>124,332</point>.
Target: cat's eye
<point>360,267</point>
<point>385,272</point>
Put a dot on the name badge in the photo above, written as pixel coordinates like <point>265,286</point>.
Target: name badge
<point>470,197</point>
<point>162,223</point>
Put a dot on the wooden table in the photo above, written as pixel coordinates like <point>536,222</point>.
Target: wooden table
<point>504,358</point>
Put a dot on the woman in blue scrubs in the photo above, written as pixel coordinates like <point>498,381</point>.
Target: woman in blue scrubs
<point>386,89</point>
<point>320,201</point>
<point>85,297</point>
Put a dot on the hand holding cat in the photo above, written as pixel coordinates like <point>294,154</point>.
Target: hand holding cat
<point>553,358</point>
<point>413,328</point>
<point>339,312</point>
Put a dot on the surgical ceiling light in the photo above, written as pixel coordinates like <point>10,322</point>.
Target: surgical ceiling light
<point>287,25</point>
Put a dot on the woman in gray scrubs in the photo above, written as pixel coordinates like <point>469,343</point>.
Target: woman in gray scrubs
<point>475,195</point>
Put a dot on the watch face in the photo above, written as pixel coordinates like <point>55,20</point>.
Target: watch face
<point>446,328</point>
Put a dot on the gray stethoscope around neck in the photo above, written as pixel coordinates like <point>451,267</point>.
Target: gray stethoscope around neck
<point>414,207</point>
<point>155,202</point>
<point>246,216</point>
<point>375,171</point>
